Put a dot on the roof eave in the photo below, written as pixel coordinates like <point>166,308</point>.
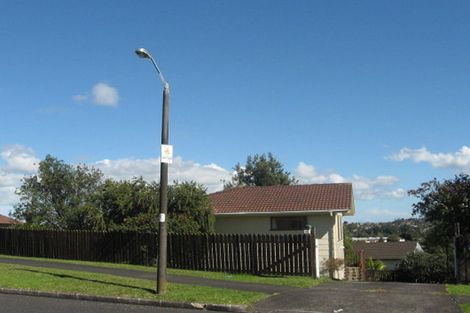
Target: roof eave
<point>351,211</point>
<point>344,211</point>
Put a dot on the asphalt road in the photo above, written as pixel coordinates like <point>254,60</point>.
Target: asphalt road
<point>340,297</point>
<point>362,297</point>
<point>28,304</point>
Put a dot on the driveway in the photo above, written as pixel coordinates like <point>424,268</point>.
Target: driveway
<point>363,297</point>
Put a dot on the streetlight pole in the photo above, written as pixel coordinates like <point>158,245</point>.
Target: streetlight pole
<point>162,247</point>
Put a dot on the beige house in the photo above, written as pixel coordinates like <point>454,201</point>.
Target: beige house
<point>288,209</point>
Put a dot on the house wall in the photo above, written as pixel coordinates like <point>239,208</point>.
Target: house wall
<point>328,232</point>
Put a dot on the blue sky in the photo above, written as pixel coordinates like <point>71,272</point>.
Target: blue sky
<point>372,92</point>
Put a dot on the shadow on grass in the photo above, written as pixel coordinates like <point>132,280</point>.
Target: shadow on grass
<point>88,280</point>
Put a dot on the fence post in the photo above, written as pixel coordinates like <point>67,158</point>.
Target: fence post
<point>362,264</point>
<point>254,254</point>
<point>313,254</point>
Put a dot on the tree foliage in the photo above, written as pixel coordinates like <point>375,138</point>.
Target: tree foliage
<point>443,204</point>
<point>260,170</point>
<point>61,196</point>
<point>189,209</point>
<point>423,267</point>
<point>130,204</point>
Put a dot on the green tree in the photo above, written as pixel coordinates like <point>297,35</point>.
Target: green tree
<point>134,205</point>
<point>423,267</point>
<point>260,170</point>
<point>393,238</point>
<point>189,209</point>
<point>60,196</point>
<point>63,196</point>
<point>130,204</point>
<point>443,204</point>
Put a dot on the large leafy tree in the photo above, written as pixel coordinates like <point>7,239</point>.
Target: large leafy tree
<point>60,196</point>
<point>260,170</point>
<point>189,209</point>
<point>129,204</point>
<point>443,204</point>
<point>134,205</point>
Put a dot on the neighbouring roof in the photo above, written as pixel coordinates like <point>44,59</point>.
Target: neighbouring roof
<point>6,220</point>
<point>279,199</point>
<point>386,250</point>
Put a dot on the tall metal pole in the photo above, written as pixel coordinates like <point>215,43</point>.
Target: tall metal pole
<point>162,246</point>
<point>162,256</point>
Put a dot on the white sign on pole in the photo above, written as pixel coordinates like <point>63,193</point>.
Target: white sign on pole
<point>167,154</point>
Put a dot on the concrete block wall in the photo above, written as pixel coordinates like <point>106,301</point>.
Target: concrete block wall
<point>353,273</point>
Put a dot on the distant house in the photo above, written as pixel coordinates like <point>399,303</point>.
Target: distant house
<point>287,210</point>
<point>391,253</point>
<point>5,221</point>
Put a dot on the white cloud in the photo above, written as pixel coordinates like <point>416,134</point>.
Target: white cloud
<point>104,94</point>
<point>364,188</point>
<point>459,159</point>
<point>7,199</point>
<point>19,159</point>
<point>387,212</point>
<point>397,193</point>
<point>79,98</point>
<point>210,175</point>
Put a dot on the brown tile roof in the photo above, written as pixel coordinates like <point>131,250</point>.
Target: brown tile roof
<point>385,250</point>
<point>295,198</point>
<point>6,220</point>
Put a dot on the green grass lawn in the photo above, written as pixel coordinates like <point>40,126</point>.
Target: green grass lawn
<point>460,290</point>
<point>465,307</point>
<point>56,280</point>
<point>292,281</point>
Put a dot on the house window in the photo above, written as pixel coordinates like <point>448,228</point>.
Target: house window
<point>288,222</point>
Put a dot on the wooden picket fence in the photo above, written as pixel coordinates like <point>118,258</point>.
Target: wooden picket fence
<point>237,253</point>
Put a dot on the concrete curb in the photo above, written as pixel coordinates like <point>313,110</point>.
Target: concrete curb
<point>136,301</point>
<point>461,299</point>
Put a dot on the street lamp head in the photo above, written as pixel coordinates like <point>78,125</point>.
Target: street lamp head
<point>141,52</point>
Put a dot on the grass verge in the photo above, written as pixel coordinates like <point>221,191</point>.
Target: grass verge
<point>465,307</point>
<point>458,290</point>
<point>291,281</point>
<point>56,280</point>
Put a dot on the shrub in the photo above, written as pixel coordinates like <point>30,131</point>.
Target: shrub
<point>376,265</point>
<point>422,267</point>
<point>333,265</point>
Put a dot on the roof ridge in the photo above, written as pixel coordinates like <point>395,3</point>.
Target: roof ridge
<point>280,186</point>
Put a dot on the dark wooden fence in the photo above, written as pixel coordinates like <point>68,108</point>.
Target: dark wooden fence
<point>257,254</point>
